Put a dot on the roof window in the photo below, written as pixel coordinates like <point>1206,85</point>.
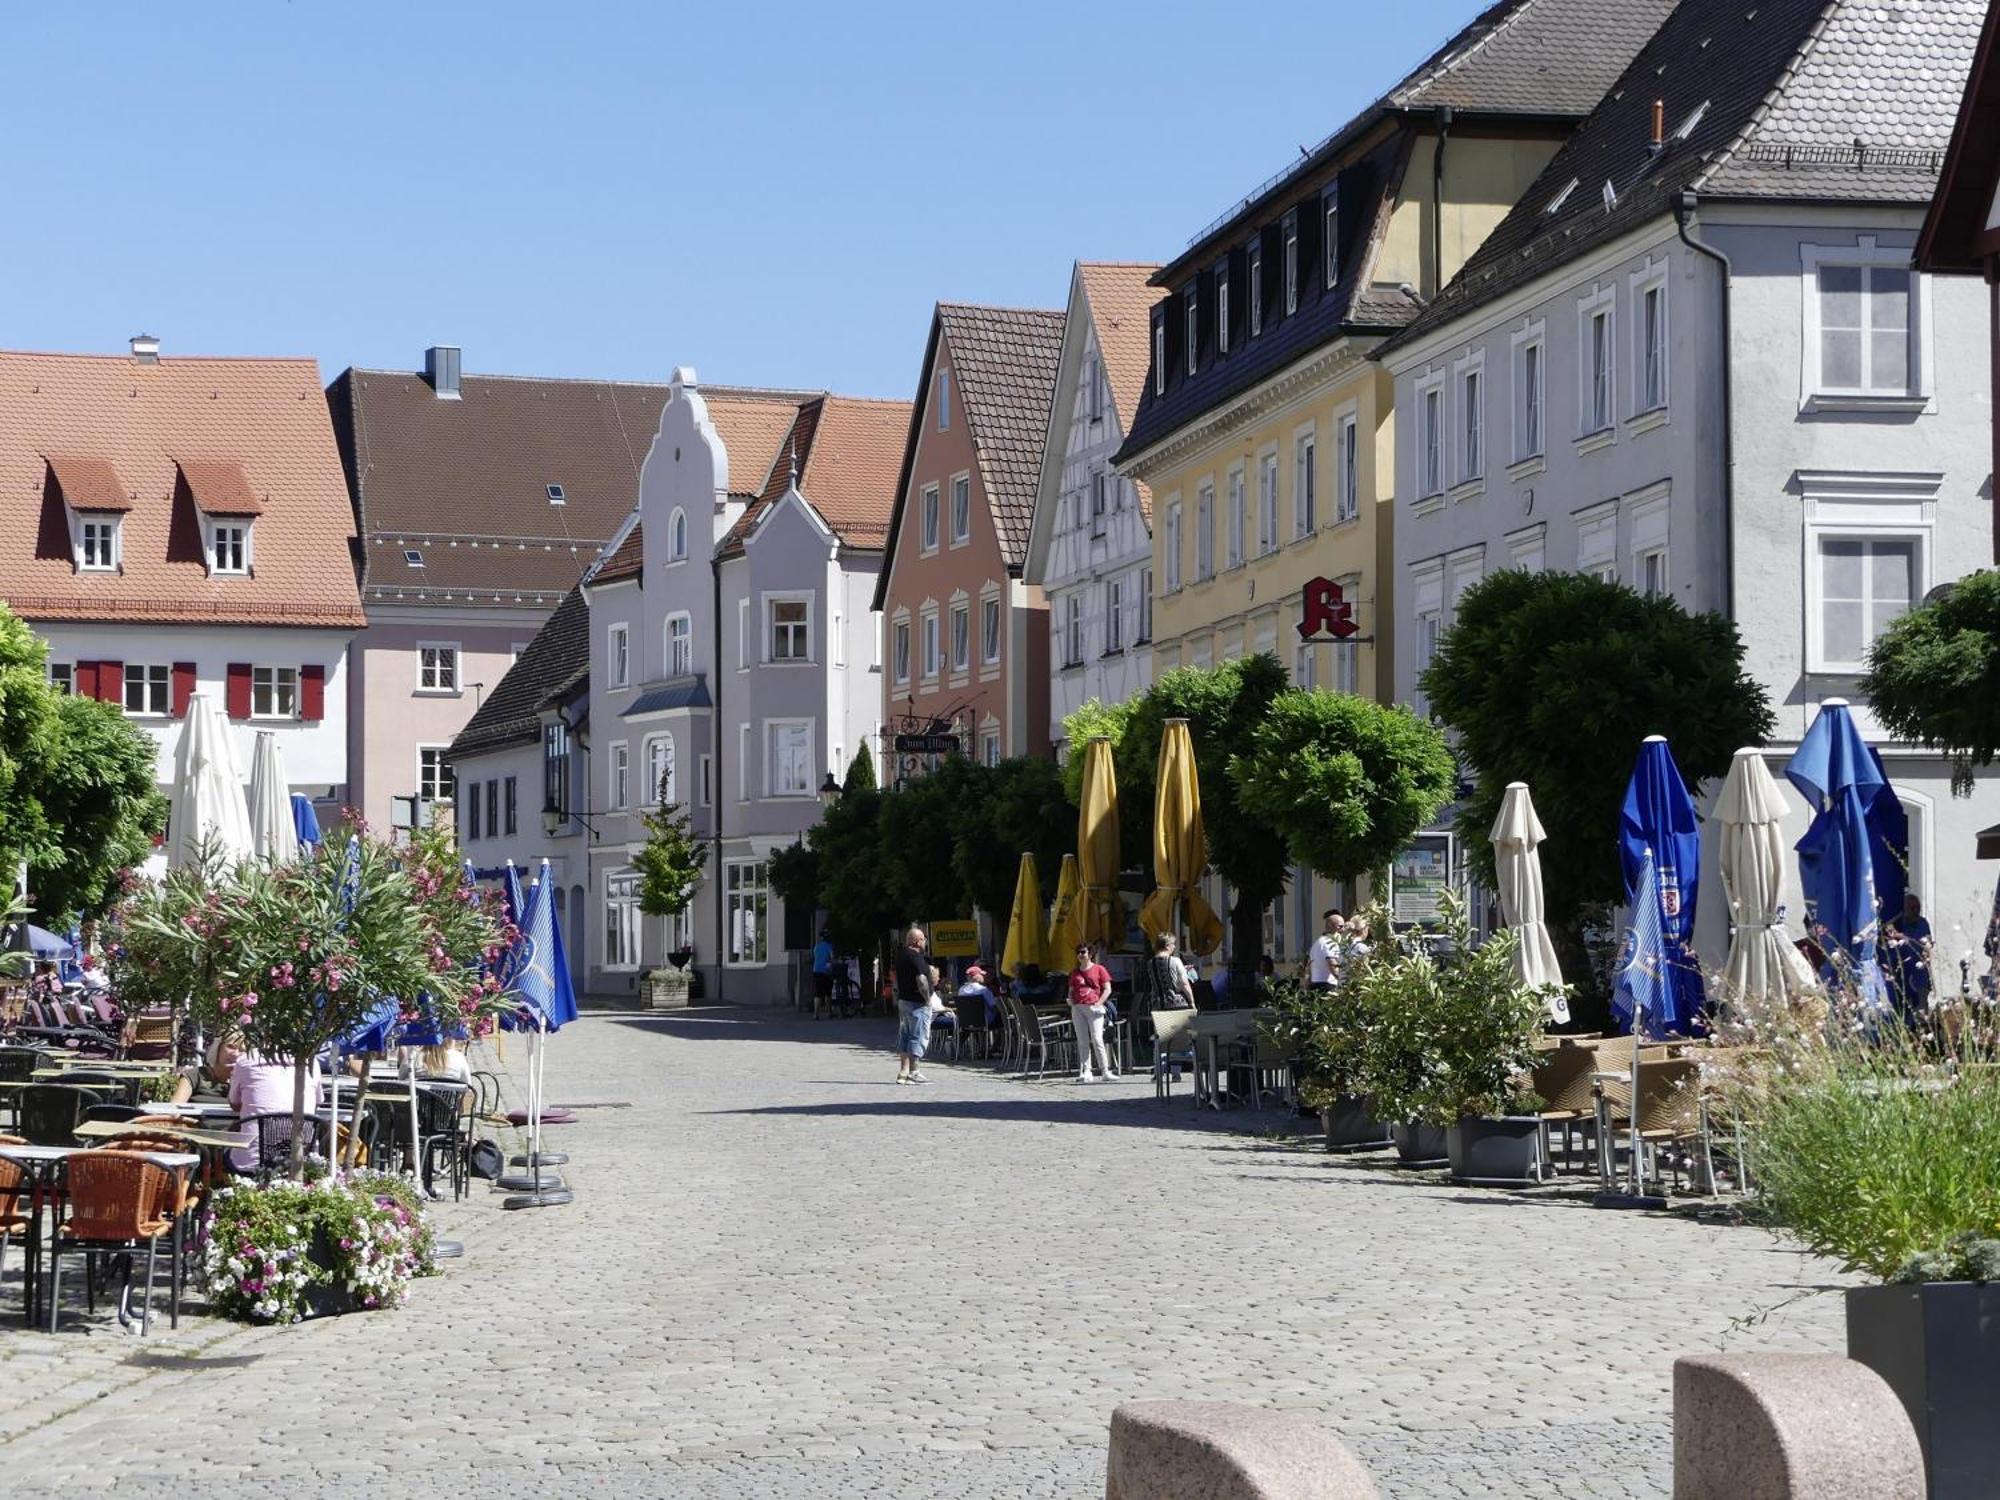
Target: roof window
<point>413,557</point>
<point>556,496</point>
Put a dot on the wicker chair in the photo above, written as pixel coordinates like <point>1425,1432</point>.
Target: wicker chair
<point>1173,1047</point>
<point>117,1203</point>
<point>14,1213</point>
<point>1565,1079</point>
<point>1669,1110</point>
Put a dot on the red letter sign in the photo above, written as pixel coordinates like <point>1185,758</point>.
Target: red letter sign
<point>1326,610</point>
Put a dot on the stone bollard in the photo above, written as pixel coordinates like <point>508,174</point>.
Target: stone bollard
<point>1214,1450</point>
<point>1790,1427</point>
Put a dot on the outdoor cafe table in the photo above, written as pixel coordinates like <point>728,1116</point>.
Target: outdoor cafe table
<point>41,1165</point>
<point>1211,1029</point>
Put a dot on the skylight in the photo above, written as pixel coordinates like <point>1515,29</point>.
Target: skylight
<point>413,557</point>
<point>556,495</point>
<point>1556,203</point>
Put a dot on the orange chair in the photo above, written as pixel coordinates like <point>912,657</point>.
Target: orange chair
<point>117,1202</point>
<point>13,1211</point>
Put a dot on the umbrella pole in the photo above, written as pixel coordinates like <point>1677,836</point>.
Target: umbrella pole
<point>416,1141</point>
<point>1632,1110</point>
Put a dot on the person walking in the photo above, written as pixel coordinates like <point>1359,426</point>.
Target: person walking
<point>1089,988</point>
<point>823,973</point>
<point>914,986</point>
<point>1172,989</point>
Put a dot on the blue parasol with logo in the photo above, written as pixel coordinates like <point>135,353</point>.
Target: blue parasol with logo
<point>1657,828</point>
<point>1854,858</point>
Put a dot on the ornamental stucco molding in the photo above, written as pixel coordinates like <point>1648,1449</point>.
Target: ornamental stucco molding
<point>1259,404</point>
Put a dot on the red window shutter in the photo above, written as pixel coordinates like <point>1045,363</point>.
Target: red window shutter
<point>312,692</point>
<point>111,681</point>
<point>183,687</point>
<point>238,694</point>
<point>86,679</point>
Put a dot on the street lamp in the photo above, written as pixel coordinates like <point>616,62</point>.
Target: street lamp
<point>553,818</point>
<point>829,791</point>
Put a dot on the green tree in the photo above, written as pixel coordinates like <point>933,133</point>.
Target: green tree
<point>671,862</point>
<point>1347,779</point>
<point>1934,675</point>
<point>1554,679</point>
<point>860,772</point>
<point>1015,807</point>
<point>794,875</point>
<point>917,858</point>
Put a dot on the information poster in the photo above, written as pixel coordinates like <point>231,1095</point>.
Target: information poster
<point>1418,878</point>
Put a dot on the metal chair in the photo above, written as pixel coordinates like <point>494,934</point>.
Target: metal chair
<point>117,1202</point>
<point>17,1066</point>
<point>442,1129</point>
<point>50,1112</point>
<point>273,1147</point>
<point>972,1024</point>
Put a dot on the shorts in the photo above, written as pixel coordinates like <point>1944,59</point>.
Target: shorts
<point>915,1032</point>
<point>823,985</point>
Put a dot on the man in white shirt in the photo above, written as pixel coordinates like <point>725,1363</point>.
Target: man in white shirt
<point>1327,948</point>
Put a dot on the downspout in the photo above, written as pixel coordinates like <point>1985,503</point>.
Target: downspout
<point>715,759</point>
<point>1684,206</point>
<point>1437,201</point>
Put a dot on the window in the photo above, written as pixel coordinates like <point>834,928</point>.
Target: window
<point>1145,606</point>
<point>1072,643</point>
<point>707,768</point>
<point>1427,605</point>
<point>1302,666</point>
<point>1652,381</point>
<point>1527,550</point>
<point>1114,615</point>
<point>1222,308</point>
<point>1646,526</point>
<point>1652,572</point>
<point>677,537</point>
<point>930,518</point>
<point>743,762</point>
<point>1471,430</point>
<point>1430,441</point>
<point>1528,389</point>
<point>1093,390</point>
<point>989,630</point>
<point>148,689</point>
<point>1256,258</point>
<point>1291,241</point>
<point>621,919</point>
<point>1864,583</point>
<point>1330,207</point>
<point>1430,630</point>
<point>989,747</point>
<point>434,778</point>
<point>944,400</point>
<point>1597,542</point>
<point>274,692</point>
<point>472,816</point>
<point>680,645</point>
<point>437,668</point>
<point>1267,506</point>
<point>556,496</point>
<point>961,509</point>
<point>97,545</point>
<point>899,652</point>
<point>618,659</point>
<point>510,791</point>
<point>1865,330</point>
<point>1172,547</point>
<point>1097,487</point>
<point>662,785</point>
<point>1597,405</point>
<point>493,809</point>
<point>1347,484</point>
<point>961,637</point>
<point>621,777</point>
<point>1204,532</point>
<point>933,654</point>
<point>62,676</point>
<point>788,763</point>
<point>555,767</point>
<point>744,918</point>
<point>1305,486</point>
<point>1159,353</point>
<point>1191,326</point>
<point>228,547</point>
<point>791,630</point>
<point>1347,658</point>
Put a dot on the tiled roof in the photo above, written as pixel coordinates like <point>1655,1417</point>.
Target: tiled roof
<point>111,426</point>
<point>626,559</point>
<point>1956,225</point>
<point>843,452</point>
<point>1003,361</point>
<point>88,482</point>
<point>220,487</point>
<point>478,469</point>
<point>1718,56</point>
<point>1121,306</point>
<point>511,713</point>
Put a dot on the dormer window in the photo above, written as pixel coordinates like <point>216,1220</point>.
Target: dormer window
<point>1256,285</point>
<point>1191,307</point>
<point>97,544</point>
<point>1291,241</point>
<point>1222,308</point>
<point>229,547</point>
<point>1330,210</point>
<point>556,495</point>
<point>1159,354</point>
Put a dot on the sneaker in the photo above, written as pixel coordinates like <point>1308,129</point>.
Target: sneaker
<point>902,1078</point>
<point>916,1078</point>
<point>1086,1078</point>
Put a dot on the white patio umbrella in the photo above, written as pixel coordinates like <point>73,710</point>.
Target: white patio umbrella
<point>208,797</point>
<point>1762,964</point>
<point>273,835</point>
<point>1517,836</point>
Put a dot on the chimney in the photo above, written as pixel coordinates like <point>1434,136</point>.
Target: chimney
<point>145,349</point>
<point>441,370</point>
<point>1659,125</point>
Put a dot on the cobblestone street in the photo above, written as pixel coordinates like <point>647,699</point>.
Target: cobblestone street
<point>784,1276</point>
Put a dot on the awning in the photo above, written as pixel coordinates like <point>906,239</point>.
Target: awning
<point>691,692</point>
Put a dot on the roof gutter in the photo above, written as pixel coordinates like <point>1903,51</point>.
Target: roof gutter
<point>1684,208</point>
<point>716,801</point>
<point>1444,116</point>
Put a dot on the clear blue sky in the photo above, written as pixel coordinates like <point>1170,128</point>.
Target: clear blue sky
<point>774,193</point>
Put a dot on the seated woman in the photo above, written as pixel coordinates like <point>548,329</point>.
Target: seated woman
<point>211,1075</point>
<point>258,1087</point>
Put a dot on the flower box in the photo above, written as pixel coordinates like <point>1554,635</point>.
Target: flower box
<point>1351,1125</point>
<point>1421,1145</point>
<point>667,989</point>
<point>1502,1151</point>
<point>1937,1344</point>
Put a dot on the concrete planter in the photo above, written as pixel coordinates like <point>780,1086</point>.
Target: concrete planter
<point>1420,1145</point>
<point>1350,1124</point>
<point>1497,1152</point>
<point>1938,1346</point>
<point>667,989</point>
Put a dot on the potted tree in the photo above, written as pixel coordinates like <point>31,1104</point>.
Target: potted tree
<point>1325,1032</point>
<point>670,865</point>
<point>1879,1146</point>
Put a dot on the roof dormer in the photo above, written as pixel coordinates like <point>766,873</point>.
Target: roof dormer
<point>94,503</point>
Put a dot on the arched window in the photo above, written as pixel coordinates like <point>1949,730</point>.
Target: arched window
<point>661,782</point>
<point>677,537</point>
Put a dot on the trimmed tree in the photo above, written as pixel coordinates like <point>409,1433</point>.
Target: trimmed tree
<point>1934,675</point>
<point>860,772</point>
<point>1015,807</point>
<point>671,862</point>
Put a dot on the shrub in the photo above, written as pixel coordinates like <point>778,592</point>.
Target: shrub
<point>1325,1033</point>
<point>268,1245</point>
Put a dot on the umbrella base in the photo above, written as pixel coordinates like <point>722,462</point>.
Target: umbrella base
<point>554,1198</point>
<point>447,1249</point>
<point>546,1159</point>
<point>1609,1199</point>
<point>529,1182</point>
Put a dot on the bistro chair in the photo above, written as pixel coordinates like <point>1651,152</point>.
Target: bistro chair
<point>117,1203</point>
<point>1669,1110</point>
<point>150,1036</point>
<point>1173,1048</point>
<point>971,1013</point>
<point>15,1210</point>
<point>442,1131</point>
<point>17,1067</point>
<point>1565,1080</point>
<point>272,1151</point>
<point>50,1112</point>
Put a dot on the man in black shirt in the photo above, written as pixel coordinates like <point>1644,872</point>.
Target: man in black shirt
<point>913,1003</point>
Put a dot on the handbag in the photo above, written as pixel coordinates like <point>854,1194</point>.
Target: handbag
<point>485,1159</point>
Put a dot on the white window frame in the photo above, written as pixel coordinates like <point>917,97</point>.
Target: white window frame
<point>62,676</point>
<point>677,536</point>
<point>1159,352</point>
<point>1100,487</point>
<point>1530,401</point>
<point>1304,663</point>
<point>1597,540</point>
<point>271,684</point>
<point>1649,280</point>
<point>989,747</point>
<point>1093,381</point>
<point>667,643</point>
<point>228,546</point>
<point>1347,654</point>
<point>1867,252</point>
<point>1346,467</point>
<point>662,761</point>
<point>438,664</point>
<point>1305,481</point>
<point>1232,535</point>
<point>1170,546</point>
<point>806,786</point>
<point>1647,518</point>
<point>1145,634</point>
<point>1191,325</point>
<point>1204,531</point>
<point>1468,378</point>
<point>1074,644</point>
<point>622,921</point>
<point>435,782</point>
<point>991,624</point>
<point>1289,237</point>
<point>618,656</point>
<point>932,521</point>
<point>772,600</point>
<point>959,639</point>
<point>1429,437</point>
<point>156,690</point>
<point>1879,506</point>
<point>1427,608</point>
<point>1267,501</point>
<point>900,646</point>
<point>1222,307</point>
<point>100,543</point>
<point>932,645</point>
<point>961,509</point>
<point>1254,258</point>
<point>1601,303</point>
<point>1527,549</point>
<point>1114,615</point>
<point>619,775</point>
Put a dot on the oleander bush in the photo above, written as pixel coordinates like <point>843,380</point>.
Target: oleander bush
<point>268,1246</point>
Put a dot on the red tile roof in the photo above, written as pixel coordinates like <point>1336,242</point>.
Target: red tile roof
<point>133,427</point>
<point>1004,362</point>
<point>843,452</point>
<point>1121,307</point>
<point>220,487</point>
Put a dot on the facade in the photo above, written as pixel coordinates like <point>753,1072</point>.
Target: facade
<point>1265,429</point>
<point>480,500</point>
<point>1090,548</point>
<point>964,634</point>
<point>1696,359</point>
<point>181,526</point>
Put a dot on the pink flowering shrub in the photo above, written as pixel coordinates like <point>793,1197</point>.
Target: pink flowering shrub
<point>266,1247</point>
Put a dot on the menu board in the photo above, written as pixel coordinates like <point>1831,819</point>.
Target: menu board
<point>1418,878</point>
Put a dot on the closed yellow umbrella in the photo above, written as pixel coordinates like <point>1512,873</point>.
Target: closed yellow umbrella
<point>1102,920</point>
<point>1027,925</point>
<point>1180,850</point>
<point>1066,919</point>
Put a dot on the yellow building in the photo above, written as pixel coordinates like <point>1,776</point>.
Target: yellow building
<point>1264,432</point>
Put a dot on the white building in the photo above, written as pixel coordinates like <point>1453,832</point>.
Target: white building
<point>1090,548</point>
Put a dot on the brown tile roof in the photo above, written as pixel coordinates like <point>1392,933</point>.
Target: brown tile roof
<point>626,559</point>
<point>476,471</point>
<point>1121,305</point>
<point>136,424</point>
<point>88,482</point>
<point>1003,361</point>
<point>220,487</point>
<point>844,452</point>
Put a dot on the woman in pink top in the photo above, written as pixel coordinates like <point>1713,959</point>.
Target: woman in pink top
<point>257,1087</point>
<point>1089,988</point>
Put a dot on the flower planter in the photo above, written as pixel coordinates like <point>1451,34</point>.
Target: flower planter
<point>1497,1152</point>
<point>667,989</point>
<point>1420,1145</point>
<point>326,1299</point>
<point>1351,1125</point>
<point>1938,1346</point>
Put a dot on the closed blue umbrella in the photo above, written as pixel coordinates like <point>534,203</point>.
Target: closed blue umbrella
<point>548,1002</point>
<point>1645,986</point>
<point>1833,757</point>
<point>1657,828</point>
<point>1837,870</point>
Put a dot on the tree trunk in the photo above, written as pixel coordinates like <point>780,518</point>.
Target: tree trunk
<point>1246,946</point>
<point>301,1068</point>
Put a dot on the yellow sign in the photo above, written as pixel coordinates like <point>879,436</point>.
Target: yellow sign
<point>955,939</point>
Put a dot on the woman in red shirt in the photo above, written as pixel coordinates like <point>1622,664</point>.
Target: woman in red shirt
<point>1089,988</point>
